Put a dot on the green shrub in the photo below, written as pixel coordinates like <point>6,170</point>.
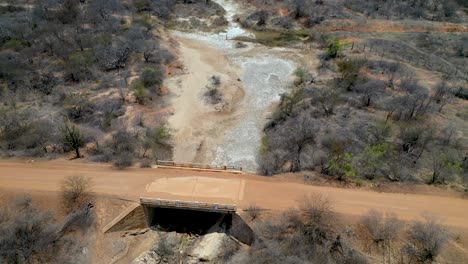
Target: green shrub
<point>145,21</point>
<point>343,167</point>
<point>14,44</point>
<point>372,159</point>
<point>334,47</point>
<point>152,77</point>
<point>301,75</point>
<point>141,93</point>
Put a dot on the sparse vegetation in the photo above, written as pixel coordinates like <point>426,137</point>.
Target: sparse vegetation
<point>29,235</point>
<point>76,192</point>
<point>334,47</point>
<point>72,138</point>
<point>431,10</point>
<point>253,211</point>
<point>328,127</point>
<point>165,250</point>
<point>313,232</point>
<point>73,59</point>
<point>381,232</point>
<point>306,234</point>
<point>425,241</point>
<point>213,95</point>
<point>148,84</point>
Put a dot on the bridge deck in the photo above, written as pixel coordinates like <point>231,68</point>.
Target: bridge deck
<point>188,205</point>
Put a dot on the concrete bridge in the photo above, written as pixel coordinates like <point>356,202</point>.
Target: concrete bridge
<point>149,203</point>
<point>160,211</point>
<point>183,216</point>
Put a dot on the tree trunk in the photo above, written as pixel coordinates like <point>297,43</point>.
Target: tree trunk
<point>387,117</point>
<point>297,160</point>
<point>77,152</point>
<point>434,177</point>
<point>44,148</point>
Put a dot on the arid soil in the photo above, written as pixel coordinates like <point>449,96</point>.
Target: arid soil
<point>198,126</point>
<point>275,193</point>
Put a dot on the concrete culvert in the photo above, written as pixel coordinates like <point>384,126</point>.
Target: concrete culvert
<point>195,218</point>
<point>187,221</point>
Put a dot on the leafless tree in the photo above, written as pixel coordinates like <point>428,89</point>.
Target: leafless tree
<point>122,148</point>
<point>318,218</point>
<point>443,95</point>
<point>415,102</point>
<point>381,231</point>
<point>304,235</point>
<point>326,99</point>
<point>72,137</point>
<point>391,71</point>
<point>29,235</point>
<point>414,141</point>
<point>446,163</point>
<point>425,241</point>
<point>76,192</point>
<point>370,91</point>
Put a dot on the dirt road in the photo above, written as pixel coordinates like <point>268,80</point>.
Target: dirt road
<point>269,193</point>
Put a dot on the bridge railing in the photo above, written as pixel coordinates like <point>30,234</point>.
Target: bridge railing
<point>192,205</point>
<point>197,165</point>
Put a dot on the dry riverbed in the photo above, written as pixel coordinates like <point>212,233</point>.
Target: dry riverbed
<point>252,79</point>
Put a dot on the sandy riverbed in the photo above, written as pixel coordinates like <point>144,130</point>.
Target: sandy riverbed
<point>252,80</point>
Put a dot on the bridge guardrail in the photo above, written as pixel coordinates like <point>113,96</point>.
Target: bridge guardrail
<point>197,165</point>
<point>193,205</point>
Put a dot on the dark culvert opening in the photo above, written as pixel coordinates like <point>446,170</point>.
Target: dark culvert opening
<point>188,221</point>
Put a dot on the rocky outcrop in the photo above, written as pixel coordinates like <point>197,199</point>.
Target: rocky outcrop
<point>208,247</point>
<point>173,247</point>
<point>150,257</point>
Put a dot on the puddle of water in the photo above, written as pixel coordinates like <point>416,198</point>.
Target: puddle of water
<point>265,77</point>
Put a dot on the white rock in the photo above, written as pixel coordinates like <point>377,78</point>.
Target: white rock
<point>149,257</point>
<point>209,247</point>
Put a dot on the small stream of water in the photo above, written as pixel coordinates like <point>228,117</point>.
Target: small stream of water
<point>265,77</point>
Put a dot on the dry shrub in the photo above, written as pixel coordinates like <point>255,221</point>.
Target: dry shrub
<point>76,192</point>
<point>26,234</point>
<point>253,211</point>
<point>317,208</point>
<point>380,231</point>
<point>308,234</point>
<point>29,235</point>
<point>123,160</point>
<point>317,218</point>
<point>425,240</point>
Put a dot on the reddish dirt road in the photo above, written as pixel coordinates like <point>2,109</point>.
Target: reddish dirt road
<point>269,193</point>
